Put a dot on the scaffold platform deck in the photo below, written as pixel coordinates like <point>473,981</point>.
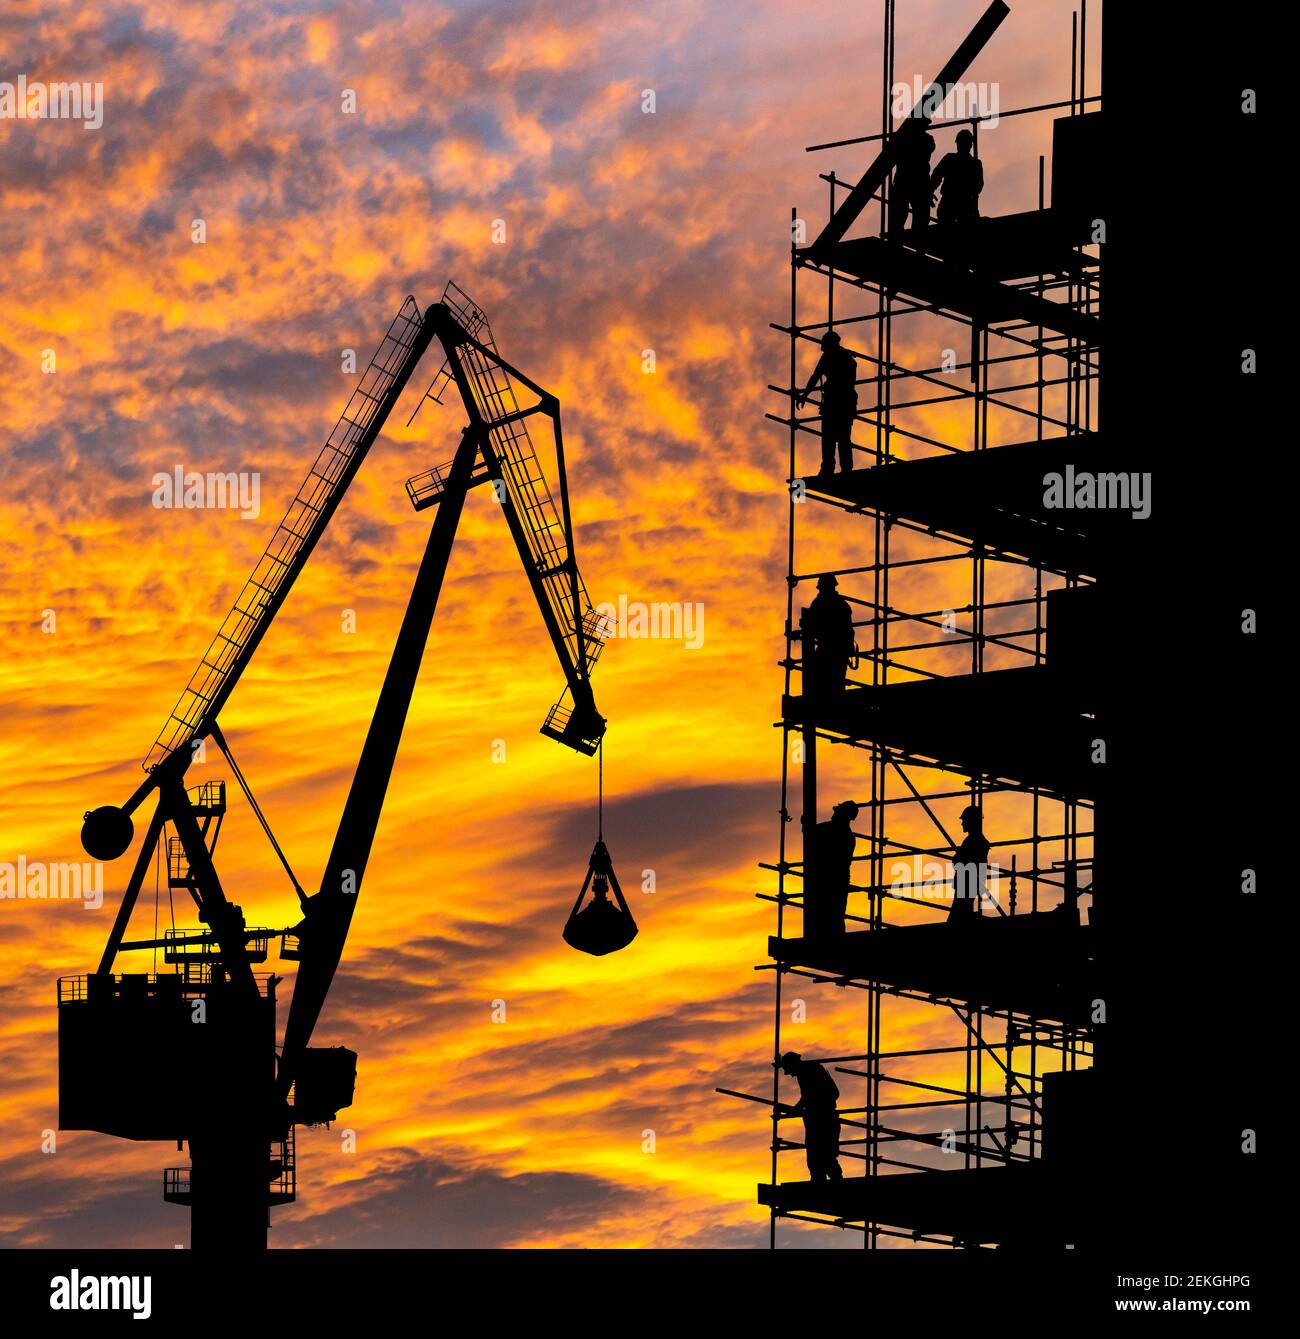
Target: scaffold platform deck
<point>997,498</point>
<point>1008,725</point>
<point>1034,963</point>
<point>1007,246</point>
<point>950,285</point>
<point>1025,1204</point>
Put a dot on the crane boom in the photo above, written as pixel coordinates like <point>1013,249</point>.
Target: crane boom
<point>494,445</point>
<point>377,391</point>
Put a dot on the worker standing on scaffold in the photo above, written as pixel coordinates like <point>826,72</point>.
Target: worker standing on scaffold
<point>818,1094</point>
<point>910,190</point>
<point>837,370</point>
<point>961,175</point>
<point>826,628</point>
<point>828,872</point>
<point>969,868</point>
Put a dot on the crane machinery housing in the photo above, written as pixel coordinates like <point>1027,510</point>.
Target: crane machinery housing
<point>190,1054</point>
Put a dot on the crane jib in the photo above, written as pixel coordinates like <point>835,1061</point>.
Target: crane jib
<point>377,391</point>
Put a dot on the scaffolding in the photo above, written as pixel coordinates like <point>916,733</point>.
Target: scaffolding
<point>978,371</point>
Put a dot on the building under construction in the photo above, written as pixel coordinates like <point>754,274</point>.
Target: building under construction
<point>1013,1072</point>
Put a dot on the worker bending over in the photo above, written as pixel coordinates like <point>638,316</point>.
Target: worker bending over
<point>821,1122</point>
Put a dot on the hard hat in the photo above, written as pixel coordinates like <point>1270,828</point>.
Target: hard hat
<point>790,1058</point>
<point>830,339</point>
<point>827,581</point>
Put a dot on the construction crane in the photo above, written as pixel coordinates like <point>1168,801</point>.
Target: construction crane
<point>190,1054</point>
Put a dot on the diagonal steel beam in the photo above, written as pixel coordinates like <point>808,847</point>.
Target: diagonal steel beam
<point>916,124</point>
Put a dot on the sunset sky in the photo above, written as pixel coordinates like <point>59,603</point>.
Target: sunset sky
<point>624,232</point>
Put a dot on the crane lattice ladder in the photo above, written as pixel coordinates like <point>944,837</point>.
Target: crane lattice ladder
<point>294,538</point>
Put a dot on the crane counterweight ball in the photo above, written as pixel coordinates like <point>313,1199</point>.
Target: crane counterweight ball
<point>107,832</point>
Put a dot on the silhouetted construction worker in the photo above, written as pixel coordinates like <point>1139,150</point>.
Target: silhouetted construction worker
<point>821,1123</point>
<point>911,190</point>
<point>837,370</point>
<point>828,645</point>
<point>969,864</point>
<point>961,175</point>
<point>828,871</point>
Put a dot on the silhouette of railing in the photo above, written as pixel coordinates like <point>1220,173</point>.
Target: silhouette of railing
<point>193,981</point>
<point>427,488</point>
<point>283,1170</point>
<point>281,1175</point>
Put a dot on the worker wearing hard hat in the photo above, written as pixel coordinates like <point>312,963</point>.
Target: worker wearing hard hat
<point>961,175</point>
<point>828,871</point>
<point>826,629</point>
<point>837,371</point>
<point>910,190</point>
<point>969,867</point>
<point>821,1122</point>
